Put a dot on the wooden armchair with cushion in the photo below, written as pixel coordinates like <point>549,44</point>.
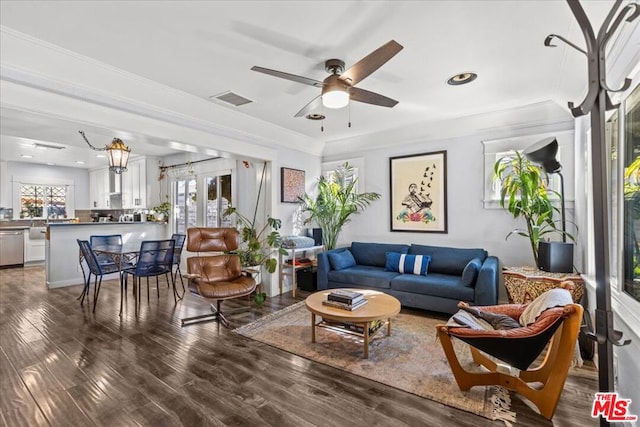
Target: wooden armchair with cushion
<point>518,348</point>
<point>214,274</point>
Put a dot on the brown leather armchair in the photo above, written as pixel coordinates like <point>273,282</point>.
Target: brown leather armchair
<point>215,276</point>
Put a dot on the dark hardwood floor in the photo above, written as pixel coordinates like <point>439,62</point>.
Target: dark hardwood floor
<point>62,365</point>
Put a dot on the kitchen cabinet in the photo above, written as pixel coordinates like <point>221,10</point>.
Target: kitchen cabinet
<point>132,179</point>
<point>140,184</point>
<point>99,188</point>
<point>34,250</point>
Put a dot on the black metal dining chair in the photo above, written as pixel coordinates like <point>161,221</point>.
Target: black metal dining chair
<point>154,259</point>
<point>96,268</point>
<point>177,254</point>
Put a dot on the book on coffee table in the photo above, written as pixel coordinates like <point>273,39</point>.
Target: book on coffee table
<point>345,306</point>
<point>346,297</point>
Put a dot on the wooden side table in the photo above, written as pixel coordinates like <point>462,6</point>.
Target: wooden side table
<point>524,284</point>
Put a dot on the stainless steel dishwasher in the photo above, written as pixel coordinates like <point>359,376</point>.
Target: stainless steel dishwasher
<point>11,247</point>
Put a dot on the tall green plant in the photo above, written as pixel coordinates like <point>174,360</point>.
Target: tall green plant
<point>525,194</point>
<point>260,244</point>
<point>336,200</point>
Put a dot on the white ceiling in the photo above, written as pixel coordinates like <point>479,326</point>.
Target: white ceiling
<point>206,48</point>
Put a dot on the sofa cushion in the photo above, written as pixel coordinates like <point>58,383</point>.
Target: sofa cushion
<point>375,254</point>
<point>448,260</point>
<point>409,264</point>
<point>470,272</point>
<point>362,276</point>
<point>341,260</point>
<point>435,284</point>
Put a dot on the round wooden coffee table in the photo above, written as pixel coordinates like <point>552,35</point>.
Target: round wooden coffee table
<point>379,306</point>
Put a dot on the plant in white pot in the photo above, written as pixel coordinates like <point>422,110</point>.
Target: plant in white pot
<point>161,211</point>
<point>336,200</point>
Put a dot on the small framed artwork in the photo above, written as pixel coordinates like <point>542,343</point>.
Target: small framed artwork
<point>291,185</point>
<point>418,185</point>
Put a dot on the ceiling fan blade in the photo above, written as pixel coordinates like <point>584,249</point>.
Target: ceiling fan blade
<point>287,76</point>
<point>371,62</point>
<point>361,95</point>
<point>315,103</point>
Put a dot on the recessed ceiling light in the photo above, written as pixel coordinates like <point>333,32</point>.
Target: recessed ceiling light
<point>316,116</point>
<point>80,162</point>
<point>100,156</point>
<point>462,78</point>
<point>26,156</point>
<point>51,164</point>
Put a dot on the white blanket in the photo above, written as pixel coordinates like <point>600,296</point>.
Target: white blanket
<point>553,298</point>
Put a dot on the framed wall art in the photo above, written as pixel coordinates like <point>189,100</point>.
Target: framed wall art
<point>291,185</point>
<point>418,184</point>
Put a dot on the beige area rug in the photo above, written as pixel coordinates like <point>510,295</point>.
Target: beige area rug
<point>410,359</point>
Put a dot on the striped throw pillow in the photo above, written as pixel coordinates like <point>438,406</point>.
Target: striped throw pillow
<point>407,264</point>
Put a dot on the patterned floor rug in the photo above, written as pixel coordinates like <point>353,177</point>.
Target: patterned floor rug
<point>410,359</point>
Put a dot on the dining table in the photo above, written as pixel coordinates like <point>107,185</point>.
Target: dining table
<point>123,256</point>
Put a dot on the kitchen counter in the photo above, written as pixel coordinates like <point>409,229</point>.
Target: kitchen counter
<point>14,227</point>
<point>61,246</point>
<point>71,224</point>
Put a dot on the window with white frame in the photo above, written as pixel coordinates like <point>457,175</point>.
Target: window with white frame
<point>495,150</point>
<point>357,172</point>
<point>201,193</point>
<point>629,154</point>
<point>42,198</point>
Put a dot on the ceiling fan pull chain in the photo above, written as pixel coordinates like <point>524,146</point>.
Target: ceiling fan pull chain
<point>349,115</point>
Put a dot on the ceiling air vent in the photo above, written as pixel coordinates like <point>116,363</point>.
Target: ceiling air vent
<point>231,98</point>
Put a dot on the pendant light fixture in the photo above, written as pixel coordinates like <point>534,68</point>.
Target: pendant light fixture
<point>117,153</point>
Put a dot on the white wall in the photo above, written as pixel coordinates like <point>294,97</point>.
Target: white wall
<point>80,178</point>
<point>469,224</point>
<point>289,212</point>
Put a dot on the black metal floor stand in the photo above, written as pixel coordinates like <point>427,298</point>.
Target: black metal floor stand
<point>596,103</point>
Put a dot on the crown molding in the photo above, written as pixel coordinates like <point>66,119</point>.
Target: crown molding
<point>520,120</point>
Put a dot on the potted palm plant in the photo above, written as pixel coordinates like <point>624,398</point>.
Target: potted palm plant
<point>524,193</point>
<point>336,200</point>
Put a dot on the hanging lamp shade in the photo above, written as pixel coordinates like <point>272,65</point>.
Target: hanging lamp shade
<point>118,155</point>
<point>544,152</point>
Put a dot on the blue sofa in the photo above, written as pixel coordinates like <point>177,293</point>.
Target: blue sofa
<point>452,274</point>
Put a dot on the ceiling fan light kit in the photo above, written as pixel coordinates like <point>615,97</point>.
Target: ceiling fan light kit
<point>339,87</point>
<point>334,93</point>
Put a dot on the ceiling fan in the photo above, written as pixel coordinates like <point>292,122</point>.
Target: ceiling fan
<point>338,88</point>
